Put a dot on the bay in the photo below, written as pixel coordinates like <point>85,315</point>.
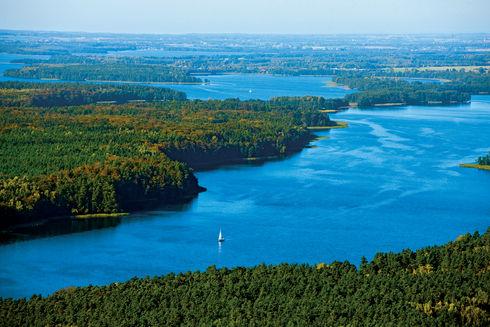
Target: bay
<point>390,181</point>
<point>243,86</point>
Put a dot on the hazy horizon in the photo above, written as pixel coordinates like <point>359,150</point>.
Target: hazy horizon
<point>282,17</point>
<point>239,33</point>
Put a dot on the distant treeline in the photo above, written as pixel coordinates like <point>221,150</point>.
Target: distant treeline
<point>375,85</point>
<point>485,160</point>
<point>105,72</point>
<point>385,87</point>
<point>435,286</point>
<point>112,158</point>
<point>21,94</point>
<point>374,89</point>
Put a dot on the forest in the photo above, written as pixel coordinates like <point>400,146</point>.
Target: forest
<point>80,149</point>
<point>25,94</point>
<point>105,72</point>
<point>373,87</point>
<point>109,158</point>
<point>445,87</point>
<point>445,285</point>
<point>71,146</point>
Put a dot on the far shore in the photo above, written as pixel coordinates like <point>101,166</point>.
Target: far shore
<point>138,82</point>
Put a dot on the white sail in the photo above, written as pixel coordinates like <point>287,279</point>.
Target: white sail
<point>220,236</point>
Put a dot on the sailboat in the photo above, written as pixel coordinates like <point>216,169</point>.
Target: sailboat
<point>220,237</point>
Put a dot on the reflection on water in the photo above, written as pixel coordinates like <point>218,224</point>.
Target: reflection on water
<point>390,181</point>
<point>61,226</point>
<point>57,227</point>
<point>243,86</point>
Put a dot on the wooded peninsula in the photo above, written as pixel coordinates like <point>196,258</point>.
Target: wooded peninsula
<point>78,149</point>
<point>109,158</point>
<point>84,134</point>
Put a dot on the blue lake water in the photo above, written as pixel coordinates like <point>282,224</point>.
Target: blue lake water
<point>243,86</point>
<point>388,182</point>
<point>259,86</point>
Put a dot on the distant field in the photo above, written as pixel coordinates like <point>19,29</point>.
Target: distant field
<point>442,68</point>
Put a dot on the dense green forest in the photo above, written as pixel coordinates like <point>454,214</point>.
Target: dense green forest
<point>435,286</point>
<point>109,158</point>
<point>25,94</point>
<point>105,72</point>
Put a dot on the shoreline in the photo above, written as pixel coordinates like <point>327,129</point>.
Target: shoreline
<point>211,165</point>
<point>475,166</point>
<point>12,233</point>
<point>44,79</point>
<point>340,124</point>
<point>101,215</point>
<point>139,82</point>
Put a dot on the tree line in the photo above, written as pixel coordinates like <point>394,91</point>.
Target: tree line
<point>105,72</point>
<point>103,158</point>
<point>484,160</point>
<point>25,94</point>
<point>445,285</point>
<point>394,87</point>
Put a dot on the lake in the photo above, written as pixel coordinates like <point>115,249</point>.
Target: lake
<point>260,86</point>
<point>243,86</point>
<point>388,182</point>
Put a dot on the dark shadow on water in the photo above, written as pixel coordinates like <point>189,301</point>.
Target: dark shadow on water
<point>258,161</point>
<point>157,210</point>
<point>56,227</point>
<point>68,225</point>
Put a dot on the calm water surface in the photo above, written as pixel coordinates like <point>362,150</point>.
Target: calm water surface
<point>243,86</point>
<point>259,86</point>
<point>388,182</point>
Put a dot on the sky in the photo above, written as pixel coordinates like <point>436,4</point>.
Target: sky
<point>248,16</point>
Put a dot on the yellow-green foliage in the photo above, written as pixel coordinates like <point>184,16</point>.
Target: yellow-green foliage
<point>87,159</point>
<point>425,269</point>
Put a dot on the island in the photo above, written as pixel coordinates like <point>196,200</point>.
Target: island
<point>482,163</point>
